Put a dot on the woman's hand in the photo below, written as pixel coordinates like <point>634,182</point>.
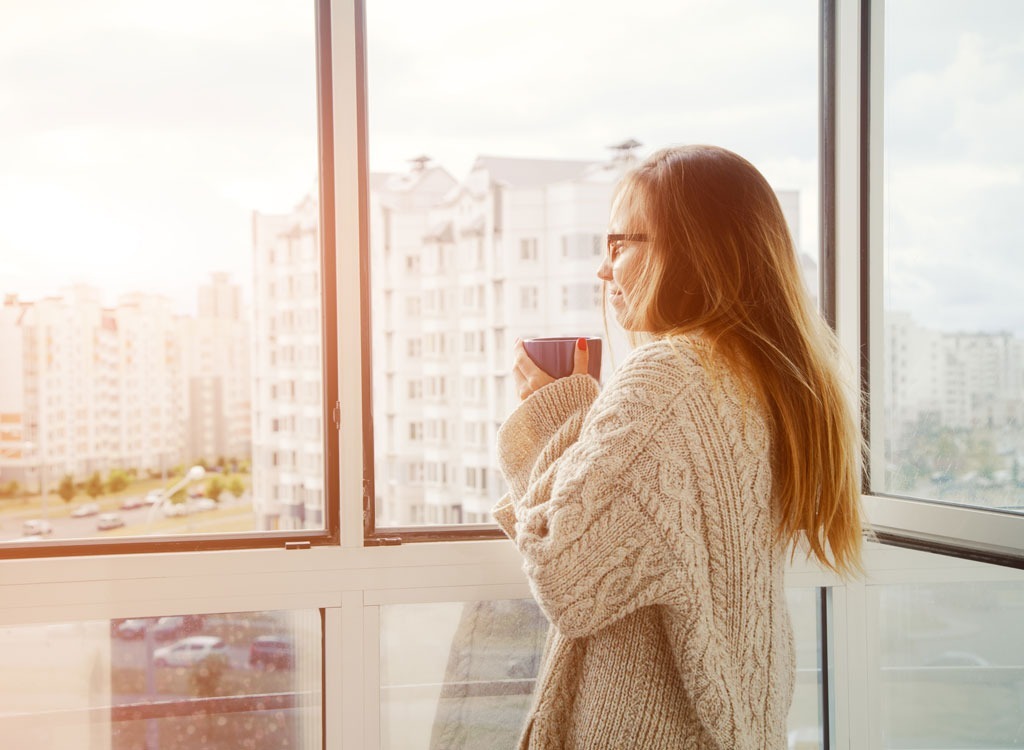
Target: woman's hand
<point>529,378</point>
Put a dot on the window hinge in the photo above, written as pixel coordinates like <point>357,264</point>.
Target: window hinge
<point>297,545</point>
<point>337,415</point>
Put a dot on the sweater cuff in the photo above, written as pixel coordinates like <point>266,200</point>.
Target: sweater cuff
<point>535,421</point>
<point>505,514</point>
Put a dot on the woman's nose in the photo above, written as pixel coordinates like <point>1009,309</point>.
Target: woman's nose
<point>604,271</point>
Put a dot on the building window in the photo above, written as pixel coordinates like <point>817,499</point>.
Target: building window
<point>528,249</point>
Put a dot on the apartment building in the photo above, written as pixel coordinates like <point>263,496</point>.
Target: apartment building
<point>216,350</point>
<point>88,388</point>
<point>460,270</point>
<point>287,401</point>
<point>959,380</point>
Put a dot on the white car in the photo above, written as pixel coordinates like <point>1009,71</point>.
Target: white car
<point>106,521</point>
<point>134,627</point>
<point>189,651</point>
<point>36,527</point>
<point>173,510</point>
<point>89,509</point>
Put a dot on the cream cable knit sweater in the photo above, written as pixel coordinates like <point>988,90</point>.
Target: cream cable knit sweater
<point>644,517</point>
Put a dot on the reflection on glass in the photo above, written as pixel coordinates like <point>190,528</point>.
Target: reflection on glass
<point>952,665</point>
<point>457,675</point>
<point>218,681</point>
<point>805,728</point>
<point>953,323</point>
<point>461,675</point>
<point>159,306</point>
<point>490,194</point>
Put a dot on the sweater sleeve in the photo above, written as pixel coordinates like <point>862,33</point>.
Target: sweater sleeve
<point>592,549</point>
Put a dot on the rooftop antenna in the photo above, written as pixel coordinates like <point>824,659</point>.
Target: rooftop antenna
<point>624,151</point>
<point>419,163</point>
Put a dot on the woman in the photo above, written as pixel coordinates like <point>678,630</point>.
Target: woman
<point>655,516</point>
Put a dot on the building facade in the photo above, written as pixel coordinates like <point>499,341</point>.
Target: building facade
<point>287,376</point>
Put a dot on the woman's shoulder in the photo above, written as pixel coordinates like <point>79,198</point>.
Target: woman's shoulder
<point>685,366</point>
<point>673,356</point>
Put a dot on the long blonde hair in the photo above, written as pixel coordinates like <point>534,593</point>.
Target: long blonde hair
<point>720,262</point>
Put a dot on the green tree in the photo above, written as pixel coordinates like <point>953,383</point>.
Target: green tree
<point>214,487</point>
<point>94,485</point>
<point>117,480</point>
<point>66,489</point>
<point>236,486</point>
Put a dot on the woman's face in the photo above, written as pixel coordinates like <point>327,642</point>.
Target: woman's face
<point>621,264</point>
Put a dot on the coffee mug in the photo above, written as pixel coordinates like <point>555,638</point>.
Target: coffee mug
<point>555,355</point>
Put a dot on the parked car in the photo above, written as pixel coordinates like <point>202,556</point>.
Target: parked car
<point>176,625</point>
<point>274,651</point>
<point>36,527</point>
<point>173,510</point>
<point>106,521</point>
<point>88,509</point>
<point>131,628</point>
<point>154,497</point>
<point>204,503</point>
<point>189,651</point>
<point>130,503</point>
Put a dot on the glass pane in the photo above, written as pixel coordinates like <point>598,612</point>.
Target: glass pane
<point>217,681</point>
<point>161,291</point>
<point>953,229</point>
<point>805,726</point>
<point>495,144</point>
<point>456,675</point>
<point>952,665</point>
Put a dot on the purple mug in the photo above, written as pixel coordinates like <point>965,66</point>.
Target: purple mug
<point>555,355</point>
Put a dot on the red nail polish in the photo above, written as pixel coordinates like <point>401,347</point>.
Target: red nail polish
<point>581,344</point>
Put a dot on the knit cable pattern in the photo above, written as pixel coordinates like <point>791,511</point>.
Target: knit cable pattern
<point>644,512</point>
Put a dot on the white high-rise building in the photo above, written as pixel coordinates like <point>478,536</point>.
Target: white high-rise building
<point>152,400</point>
<point>958,380</point>
<point>460,270</point>
<point>98,388</point>
<point>287,407</point>
<point>218,383</point>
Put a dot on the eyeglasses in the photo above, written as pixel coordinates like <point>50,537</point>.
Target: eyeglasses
<point>616,241</point>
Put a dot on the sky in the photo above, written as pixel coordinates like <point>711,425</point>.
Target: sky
<point>139,137</point>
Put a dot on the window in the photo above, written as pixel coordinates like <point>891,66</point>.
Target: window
<point>946,341</point>
<point>528,297</point>
<point>508,199</point>
<point>395,643</point>
<point>586,297</point>
<point>138,350</point>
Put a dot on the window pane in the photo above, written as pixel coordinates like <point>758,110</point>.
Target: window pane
<point>495,144</point>
<point>456,675</point>
<point>952,664</point>
<point>160,254</point>
<point>805,729</point>
<point>953,384</point>
<point>243,679</point>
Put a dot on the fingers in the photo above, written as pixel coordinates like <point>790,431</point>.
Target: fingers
<point>580,358</point>
<point>527,375</point>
